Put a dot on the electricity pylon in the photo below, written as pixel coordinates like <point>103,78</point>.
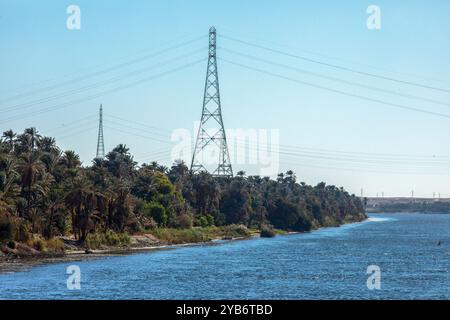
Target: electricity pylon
<point>211,140</point>
<point>100,143</point>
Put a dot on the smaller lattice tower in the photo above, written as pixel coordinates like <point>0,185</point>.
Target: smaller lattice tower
<point>100,143</point>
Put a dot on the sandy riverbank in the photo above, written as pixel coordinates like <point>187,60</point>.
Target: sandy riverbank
<point>138,243</point>
<point>13,264</point>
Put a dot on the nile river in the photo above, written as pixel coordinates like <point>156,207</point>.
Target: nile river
<point>412,252</point>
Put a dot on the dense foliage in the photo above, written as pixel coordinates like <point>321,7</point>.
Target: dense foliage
<point>46,191</point>
<point>409,205</point>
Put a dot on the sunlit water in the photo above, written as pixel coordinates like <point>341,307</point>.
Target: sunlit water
<point>326,264</point>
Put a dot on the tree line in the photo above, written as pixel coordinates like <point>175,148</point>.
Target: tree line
<point>47,191</point>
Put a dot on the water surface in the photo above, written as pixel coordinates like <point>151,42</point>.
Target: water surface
<point>329,263</point>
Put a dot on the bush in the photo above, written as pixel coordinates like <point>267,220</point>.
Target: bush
<point>179,236</point>
<point>108,238</point>
<point>184,221</point>
<point>157,212</point>
<point>6,229</point>
<point>267,232</point>
<point>149,223</point>
<point>235,231</point>
<point>38,244</point>
<point>55,245</point>
<point>205,221</point>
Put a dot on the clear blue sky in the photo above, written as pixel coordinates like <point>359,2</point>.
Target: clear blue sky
<point>38,52</point>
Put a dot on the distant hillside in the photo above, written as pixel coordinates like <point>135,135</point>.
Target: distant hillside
<point>399,204</point>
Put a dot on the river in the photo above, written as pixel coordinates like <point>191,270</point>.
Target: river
<point>412,252</point>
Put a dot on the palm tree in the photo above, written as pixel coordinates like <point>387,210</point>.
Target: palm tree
<point>82,201</point>
<point>9,136</point>
<point>48,144</point>
<point>241,174</point>
<point>8,186</point>
<point>70,159</point>
<point>34,137</point>
<point>31,168</point>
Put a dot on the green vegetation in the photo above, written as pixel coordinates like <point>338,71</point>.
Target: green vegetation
<point>408,205</point>
<point>46,193</point>
<point>53,245</point>
<point>107,239</point>
<point>267,232</point>
<point>200,234</point>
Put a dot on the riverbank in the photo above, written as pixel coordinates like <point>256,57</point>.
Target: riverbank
<point>161,239</point>
<point>23,256</point>
<point>9,264</point>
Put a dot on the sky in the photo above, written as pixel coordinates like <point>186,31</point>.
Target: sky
<point>145,62</point>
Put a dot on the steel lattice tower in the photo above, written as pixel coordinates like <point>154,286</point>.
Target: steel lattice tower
<point>100,143</point>
<point>211,133</point>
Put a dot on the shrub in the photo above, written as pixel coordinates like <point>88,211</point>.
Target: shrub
<point>235,231</point>
<point>6,228</point>
<point>184,221</point>
<point>55,245</point>
<point>267,232</point>
<point>179,236</point>
<point>11,244</point>
<point>202,221</point>
<point>108,238</point>
<point>39,245</point>
<point>157,212</point>
<point>149,223</point>
<point>205,221</point>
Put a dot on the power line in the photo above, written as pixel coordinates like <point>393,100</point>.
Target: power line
<point>115,67</point>
<point>323,153</point>
<point>138,123</point>
<point>324,156</point>
<point>152,156</point>
<point>356,161</point>
<point>336,66</point>
<point>272,43</point>
<point>361,85</point>
<point>148,128</point>
<point>337,91</point>
<point>159,150</point>
<point>75,122</point>
<point>358,157</point>
<point>72,128</point>
<point>134,128</point>
<point>360,161</point>
<point>360,171</point>
<point>96,84</point>
<point>137,134</point>
<point>119,88</point>
<point>372,155</point>
<point>338,168</point>
<point>78,132</point>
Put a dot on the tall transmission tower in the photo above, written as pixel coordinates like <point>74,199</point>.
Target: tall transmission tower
<point>211,150</point>
<point>100,143</point>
